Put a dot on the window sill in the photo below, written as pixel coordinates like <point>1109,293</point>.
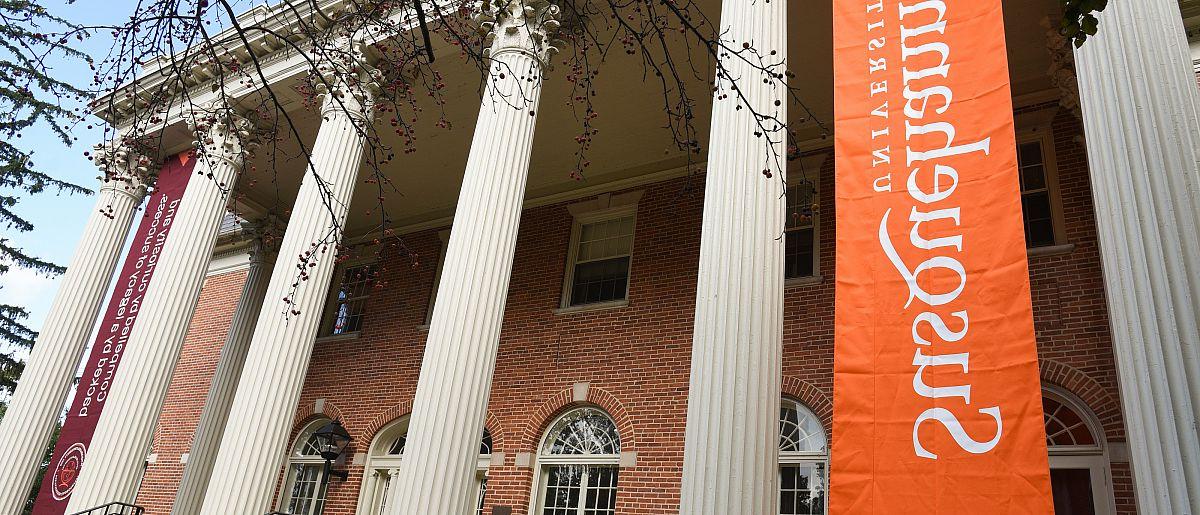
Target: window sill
<point>803,281</point>
<point>423,328</point>
<point>1051,250</point>
<point>338,337</point>
<point>596,306</point>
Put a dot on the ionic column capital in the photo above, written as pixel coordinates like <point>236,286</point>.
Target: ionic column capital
<point>125,166</point>
<point>521,26</point>
<point>346,80</point>
<point>223,132</point>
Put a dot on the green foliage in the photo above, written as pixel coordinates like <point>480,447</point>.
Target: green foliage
<point>30,96</point>
<point>1079,19</point>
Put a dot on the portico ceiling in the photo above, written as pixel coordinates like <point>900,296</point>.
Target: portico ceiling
<point>1189,8</point>
<point>631,142</point>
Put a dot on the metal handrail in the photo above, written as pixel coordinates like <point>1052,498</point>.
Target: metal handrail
<point>114,508</point>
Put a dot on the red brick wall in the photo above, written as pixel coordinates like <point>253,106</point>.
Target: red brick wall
<point>189,387</point>
<point>635,358</point>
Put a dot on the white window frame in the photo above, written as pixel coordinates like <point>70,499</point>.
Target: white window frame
<point>1094,458</point>
<point>329,315</point>
<point>806,457</point>
<point>1036,127</point>
<point>377,462</point>
<point>294,458</point>
<point>545,460</point>
<point>810,169</point>
<point>603,208</point>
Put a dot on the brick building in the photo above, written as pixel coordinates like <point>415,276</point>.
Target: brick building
<point>536,332</point>
<point>630,358</point>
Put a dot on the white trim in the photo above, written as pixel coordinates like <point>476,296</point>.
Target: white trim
<point>794,458</point>
<point>603,208</point>
<point>229,261</point>
<point>294,458</point>
<point>1094,458</point>
<point>809,169</point>
<point>377,462</point>
<point>1045,138</point>
<point>538,491</point>
<point>1050,250</point>
<point>595,306</point>
<point>331,301</point>
<point>807,280</point>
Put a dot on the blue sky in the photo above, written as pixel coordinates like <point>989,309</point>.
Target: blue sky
<point>59,219</point>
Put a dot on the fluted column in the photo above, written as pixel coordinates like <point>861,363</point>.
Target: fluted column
<point>448,414</point>
<point>731,443</point>
<point>250,457</point>
<point>1139,98</point>
<point>36,404</point>
<point>114,462</point>
<point>209,431</point>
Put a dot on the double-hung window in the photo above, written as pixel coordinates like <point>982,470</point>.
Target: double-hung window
<point>304,488</point>
<point>347,302</point>
<point>600,256</point>
<point>800,230</point>
<point>803,461</point>
<point>1037,203</point>
<point>578,465</point>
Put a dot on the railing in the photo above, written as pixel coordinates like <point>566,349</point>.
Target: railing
<point>279,513</point>
<point>114,508</point>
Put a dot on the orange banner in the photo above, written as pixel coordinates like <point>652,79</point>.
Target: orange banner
<point>937,399</point>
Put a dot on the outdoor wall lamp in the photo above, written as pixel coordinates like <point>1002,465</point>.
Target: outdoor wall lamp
<point>332,440</point>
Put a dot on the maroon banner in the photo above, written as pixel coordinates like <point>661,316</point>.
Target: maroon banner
<point>115,327</point>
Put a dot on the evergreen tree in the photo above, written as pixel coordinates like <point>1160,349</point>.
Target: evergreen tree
<point>30,95</point>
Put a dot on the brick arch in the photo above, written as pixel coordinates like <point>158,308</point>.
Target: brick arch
<point>305,415</point>
<point>814,398</point>
<point>1093,394</point>
<point>562,401</point>
<point>387,416</point>
<point>384,418</point>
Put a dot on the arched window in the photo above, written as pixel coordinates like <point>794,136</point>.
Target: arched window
<point>383,464</point>
<point>1079,474</point>
<point>577,465</point>
<point>803,460</point>
<point>305,486</point>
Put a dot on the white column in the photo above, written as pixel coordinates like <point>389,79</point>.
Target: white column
<point>1139,97</point>
<point>250,457</point>
<point>731,442</point>
<point>36,404</point>
<point>114,463</point>
<point>436,475</point>
<point>207,438</point>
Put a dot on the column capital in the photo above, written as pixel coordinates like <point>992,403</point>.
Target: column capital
<point>522,26</point>
<point>223,132</point>
<point>266,234</point>
<point>346,80</point>
<point>126,166</point>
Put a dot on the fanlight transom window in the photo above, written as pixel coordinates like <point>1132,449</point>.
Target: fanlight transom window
<point>799,430</point>
<point>1065,425</point>
<point>803,461</point>
<point>304,488</point>
<point>578,465</point>
<point>583,431</point>
<point>383,465</point>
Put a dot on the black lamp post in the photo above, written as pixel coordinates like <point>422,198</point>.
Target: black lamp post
<point>332,440</point>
